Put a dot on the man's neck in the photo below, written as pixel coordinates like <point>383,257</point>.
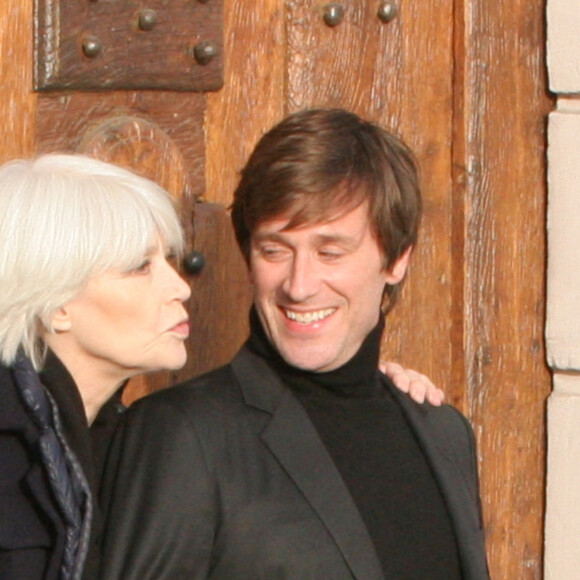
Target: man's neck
<point>350,377</point>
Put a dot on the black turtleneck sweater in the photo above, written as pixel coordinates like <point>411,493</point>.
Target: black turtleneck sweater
<point>377,454</point>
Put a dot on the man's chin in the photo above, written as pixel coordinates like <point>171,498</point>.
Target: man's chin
<point>307,360</point>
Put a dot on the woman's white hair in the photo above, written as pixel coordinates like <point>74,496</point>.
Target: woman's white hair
<point>63,219</point>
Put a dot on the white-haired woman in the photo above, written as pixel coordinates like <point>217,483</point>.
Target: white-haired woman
<point>88,299</point>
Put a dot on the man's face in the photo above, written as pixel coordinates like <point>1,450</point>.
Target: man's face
<point>318,288</point>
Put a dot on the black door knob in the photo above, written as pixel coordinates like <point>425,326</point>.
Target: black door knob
<point>193,262</point>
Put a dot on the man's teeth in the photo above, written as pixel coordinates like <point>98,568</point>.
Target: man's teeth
<point>308,317</point>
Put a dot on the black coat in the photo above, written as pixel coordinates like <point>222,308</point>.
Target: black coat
<point>34,523</point>
<point>226,478</point>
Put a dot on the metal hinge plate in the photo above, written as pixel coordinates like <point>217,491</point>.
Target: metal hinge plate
<point>129,44</point>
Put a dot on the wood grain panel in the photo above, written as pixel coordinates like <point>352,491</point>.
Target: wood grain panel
<point>66,119</point>
<point>143,147</point>
<point>252,98</point>
<point>499,156</point>
<point>220,299</point>
<point>127,55</point>
<point>18,102</point>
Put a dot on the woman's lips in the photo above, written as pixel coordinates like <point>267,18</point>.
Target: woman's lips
<point>182,328</point>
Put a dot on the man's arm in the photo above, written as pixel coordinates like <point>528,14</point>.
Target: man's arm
<point>418,386</point>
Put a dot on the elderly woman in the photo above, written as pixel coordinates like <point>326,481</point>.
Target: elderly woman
<point>88,299</point>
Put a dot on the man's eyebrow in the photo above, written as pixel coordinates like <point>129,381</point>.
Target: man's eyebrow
<point>337,238</point>
<point>345,240</point>
<point>267,237</point>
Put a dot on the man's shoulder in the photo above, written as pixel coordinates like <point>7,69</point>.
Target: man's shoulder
<point>210,408</point>
<point>444,422</point>
<point>215,388</point>
<point>206,382</point>
<point>447,421</point>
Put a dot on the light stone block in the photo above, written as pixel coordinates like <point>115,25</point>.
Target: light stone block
<point>563,285</point>
<point>563,45</point>
<point>562,544</point>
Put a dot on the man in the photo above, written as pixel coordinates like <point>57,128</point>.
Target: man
<point>299,459</point>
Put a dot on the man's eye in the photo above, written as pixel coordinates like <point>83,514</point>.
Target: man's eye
<point>330,254</point>
<point>271,252</point>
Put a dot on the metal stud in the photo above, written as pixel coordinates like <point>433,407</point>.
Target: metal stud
<point>204,52</point>
<point>387,11</point>
<point>91,46</point>
<point>147,19</point>
<point>333,14</point>
<point>194,262</point>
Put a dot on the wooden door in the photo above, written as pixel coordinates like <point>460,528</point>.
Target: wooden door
<point>462,82</point>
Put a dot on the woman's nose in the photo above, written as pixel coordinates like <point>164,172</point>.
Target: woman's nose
<point>180,288</point>
<point>184,289</point>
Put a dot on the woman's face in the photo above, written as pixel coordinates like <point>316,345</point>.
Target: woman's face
<point>126,323</point>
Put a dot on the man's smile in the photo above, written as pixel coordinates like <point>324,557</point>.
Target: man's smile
<point>309,317</point>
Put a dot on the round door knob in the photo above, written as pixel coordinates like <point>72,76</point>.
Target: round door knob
<point>194,262</point>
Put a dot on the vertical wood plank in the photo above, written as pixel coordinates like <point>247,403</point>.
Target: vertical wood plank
<point>252,98</point>
<point>18,102</point>
<point>500,176</point>
<point>220,293</point>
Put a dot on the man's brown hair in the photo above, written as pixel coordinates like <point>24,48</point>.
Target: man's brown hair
<point>318,164</point>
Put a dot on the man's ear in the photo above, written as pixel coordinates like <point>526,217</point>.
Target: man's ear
<point>398,270</point>
<point>61,320</point>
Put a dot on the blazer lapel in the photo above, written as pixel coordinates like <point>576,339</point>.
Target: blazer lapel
<point>292,438</point>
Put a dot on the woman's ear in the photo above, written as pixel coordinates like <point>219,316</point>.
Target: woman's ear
<point>398,270</point>
<point>61,320</point>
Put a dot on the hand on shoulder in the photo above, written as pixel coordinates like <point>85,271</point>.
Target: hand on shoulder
<point>417,385</point>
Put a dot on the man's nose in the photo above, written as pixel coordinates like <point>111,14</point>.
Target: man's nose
<point>303,279</point>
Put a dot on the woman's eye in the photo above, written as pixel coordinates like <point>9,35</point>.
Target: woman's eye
<point>143,267</point>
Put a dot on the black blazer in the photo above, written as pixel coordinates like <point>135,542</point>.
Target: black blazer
<point>32,526</point>
<point>226,478</point>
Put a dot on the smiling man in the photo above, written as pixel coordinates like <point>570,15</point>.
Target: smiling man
<point>299,459</point>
